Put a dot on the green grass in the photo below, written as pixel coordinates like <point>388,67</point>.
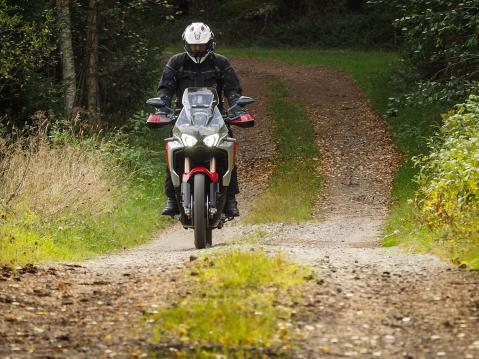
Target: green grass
<point>404,229</point>
<point>295,183</point>
<point>238,306</point>
<point>26,237</point>
<point>410,129</point>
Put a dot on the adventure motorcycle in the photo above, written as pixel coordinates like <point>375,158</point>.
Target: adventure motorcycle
<point>201,156</point>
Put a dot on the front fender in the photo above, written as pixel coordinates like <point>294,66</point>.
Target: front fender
<point>212,175</point>
<point>228,145</point>
<point>173,145</point>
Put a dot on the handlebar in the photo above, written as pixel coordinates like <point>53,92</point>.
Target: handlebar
<point>170,115</point>
<point>173,115</point>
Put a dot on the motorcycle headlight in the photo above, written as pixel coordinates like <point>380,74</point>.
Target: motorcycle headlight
<point>211,140</point>
<point>188,140</point>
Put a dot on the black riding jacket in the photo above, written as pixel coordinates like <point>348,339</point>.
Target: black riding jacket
<point>181,72</point>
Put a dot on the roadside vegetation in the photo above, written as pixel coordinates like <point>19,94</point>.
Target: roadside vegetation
<point>295,183</point>
<point>446,200</point>
<point>237,304</point>
<point>440,61</point>
<point>78,175</point>
<point>64,196</point>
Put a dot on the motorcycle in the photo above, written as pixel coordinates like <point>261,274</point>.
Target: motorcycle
<point>201,156</point>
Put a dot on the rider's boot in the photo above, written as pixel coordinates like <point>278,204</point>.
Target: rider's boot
<point>231,207</point>
<point>171,207</point>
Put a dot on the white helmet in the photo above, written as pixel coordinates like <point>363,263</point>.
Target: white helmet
<point>198,33</point>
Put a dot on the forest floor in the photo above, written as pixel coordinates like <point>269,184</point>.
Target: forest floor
<point>367,301</point>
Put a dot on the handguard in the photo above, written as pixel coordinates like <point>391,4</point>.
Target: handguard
<point>243,120</point>
<point>158,120</point>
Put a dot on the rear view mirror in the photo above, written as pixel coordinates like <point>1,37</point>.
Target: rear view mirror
<point>244,101</point>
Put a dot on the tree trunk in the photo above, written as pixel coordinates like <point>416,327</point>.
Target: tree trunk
<point>93,92</point>
<point>68,62</point>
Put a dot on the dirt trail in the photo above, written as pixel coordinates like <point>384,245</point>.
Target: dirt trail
<point>368,301</point>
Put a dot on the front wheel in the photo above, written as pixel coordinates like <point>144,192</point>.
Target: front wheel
<point>199,211</point>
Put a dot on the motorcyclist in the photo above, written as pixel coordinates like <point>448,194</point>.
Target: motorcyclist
<point>199,66</point>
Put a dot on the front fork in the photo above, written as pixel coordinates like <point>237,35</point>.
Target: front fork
<point>214,189</point>
<point>186,190</point>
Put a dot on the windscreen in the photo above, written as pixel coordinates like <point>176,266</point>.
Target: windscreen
<point>198,105</point>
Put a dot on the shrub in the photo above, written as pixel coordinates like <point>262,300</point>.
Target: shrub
<point>448,193</point>
<point>440,47</point>
<point>65,195</point>
<point>50,180</point>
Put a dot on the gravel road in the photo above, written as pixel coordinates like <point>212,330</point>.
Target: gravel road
<point>367,301</point>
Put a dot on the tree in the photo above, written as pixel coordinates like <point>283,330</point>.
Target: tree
<point>92,67</point>
<point>68,61</point>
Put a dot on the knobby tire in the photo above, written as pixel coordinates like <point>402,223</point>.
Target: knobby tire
<point>199,212</point>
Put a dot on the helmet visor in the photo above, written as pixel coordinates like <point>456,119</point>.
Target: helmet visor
<point>197,50</point>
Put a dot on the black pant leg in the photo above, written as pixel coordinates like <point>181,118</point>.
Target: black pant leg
<point>169,189</point>
<point>233,188</point>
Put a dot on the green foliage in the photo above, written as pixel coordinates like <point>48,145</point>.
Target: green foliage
<point>129,62</point>
<point>137,148</point>
<point>449,178</point>
<point>410,129</point>
<point>238,300</point>
<point>27,43</point>
<point>441,47</point>
<point>27,58</point>
<point>426,227</point>
<point>295,183</point>
<point>130,53</point>
<point>413,126</point>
